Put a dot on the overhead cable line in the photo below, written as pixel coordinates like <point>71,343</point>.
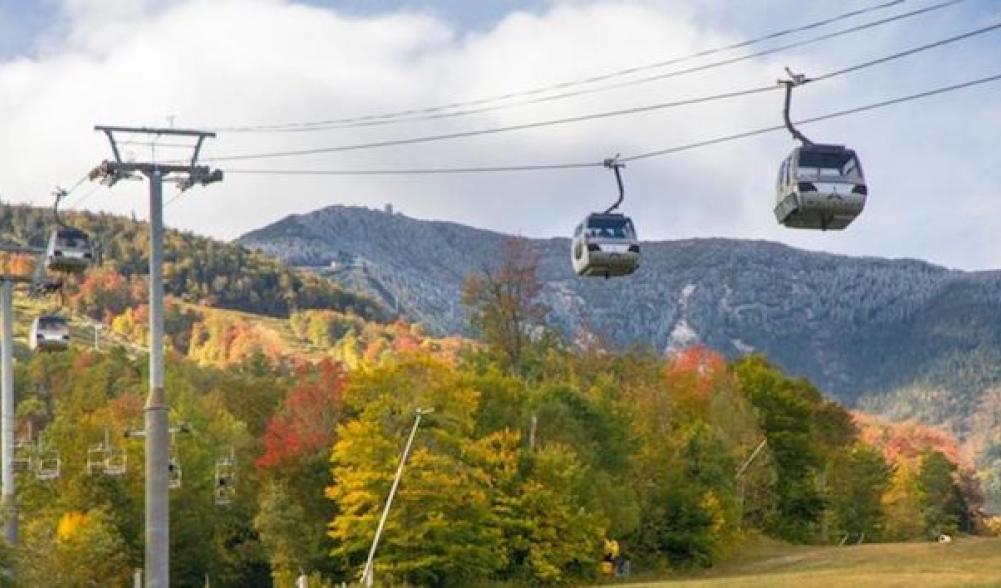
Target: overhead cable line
<point>600,115</point>
<point>86,195</point>
<point>435,112</point>
<point>640,156</point>
<point>174,198</point>
<point>75,186</point>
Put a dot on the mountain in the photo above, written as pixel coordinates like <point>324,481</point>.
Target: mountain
<point>901,339</point>
<point>858,327</point>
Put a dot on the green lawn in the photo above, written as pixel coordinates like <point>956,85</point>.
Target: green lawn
<point>965,562</point>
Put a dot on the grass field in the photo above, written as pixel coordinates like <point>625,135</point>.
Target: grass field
<point>965,562</point>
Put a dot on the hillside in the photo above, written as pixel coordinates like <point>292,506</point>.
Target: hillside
<point>902,338</point>
<point>196,269</point>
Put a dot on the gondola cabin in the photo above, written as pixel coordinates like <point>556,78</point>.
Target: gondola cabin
<point>69,250</point>
<point>820,187</point>
<point>605,244</point>
<point>49,333</point>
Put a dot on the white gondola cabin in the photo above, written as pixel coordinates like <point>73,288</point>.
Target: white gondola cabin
<point>820,187</point>
<point>605,244</point>
<point>49,333</point>
<point>69,250</point>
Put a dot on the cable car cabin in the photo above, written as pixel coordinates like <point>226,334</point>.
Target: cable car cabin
<point>820,187</point>
<point>69,251</point>
<point>49,333</point>
<point>605,244</point>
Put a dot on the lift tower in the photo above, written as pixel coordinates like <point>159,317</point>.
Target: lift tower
<point>187,174</point>
<point>11,274</point>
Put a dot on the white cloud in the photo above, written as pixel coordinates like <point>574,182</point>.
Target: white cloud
<point>932,166</point>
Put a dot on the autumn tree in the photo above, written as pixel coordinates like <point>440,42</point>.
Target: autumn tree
<point>940,501</point>
<point>857,481</point>
<point>440,531</point>
<point>503,302</point>
<point>75,549</point>
<point>292,510</point>
<point>900,505</point>
<point>804,431</point>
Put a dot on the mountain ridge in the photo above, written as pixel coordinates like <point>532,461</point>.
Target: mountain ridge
<point>830,317</point>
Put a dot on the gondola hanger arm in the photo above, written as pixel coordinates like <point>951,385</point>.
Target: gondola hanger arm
<point>793,81</point>
<point>59,194</point>
<point>615,165</point>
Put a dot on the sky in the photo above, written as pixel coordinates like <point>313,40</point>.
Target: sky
<point>931,165</point>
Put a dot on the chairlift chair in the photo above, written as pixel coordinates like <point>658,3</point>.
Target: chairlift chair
<point>49,332</point>
<point>97,459</point>
<point>224,493</point>
<point>23,456</point>
<point>116,462</point>
<point>174,472</point>
<point>49,466</point>
<point>819,186</point>
<point>605,243</point>
<point>225,481</point>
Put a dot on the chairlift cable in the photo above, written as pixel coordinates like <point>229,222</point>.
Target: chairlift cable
<point>86,195</point>
<point>823,117</point>
<point>640,156</point>
<point>406,115</point>
<point>600,115</point>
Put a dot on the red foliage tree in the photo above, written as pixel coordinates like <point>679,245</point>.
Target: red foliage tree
<point>693,373</point>
<point>907,441</point>
<point>305,423</point>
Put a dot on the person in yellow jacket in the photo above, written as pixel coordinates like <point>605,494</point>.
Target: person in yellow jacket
<point>609,558</point>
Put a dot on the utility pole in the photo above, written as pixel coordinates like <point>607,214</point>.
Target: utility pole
<point>8,498</point>
<point>368,575</point>
<point>157,556</point>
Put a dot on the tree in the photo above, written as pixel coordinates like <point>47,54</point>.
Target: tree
<point>939,499</point>
<point>900,505</point>
<point>441,529</point>
<point>305,422</point>
<point>75,549</point>
<point>503,305</point>
<point>857,481</point>
<point>785,413</point>
<point>287,534</point>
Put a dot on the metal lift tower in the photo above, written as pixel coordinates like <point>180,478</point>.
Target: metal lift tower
<point>186,174</point>
<point>8,279</point>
